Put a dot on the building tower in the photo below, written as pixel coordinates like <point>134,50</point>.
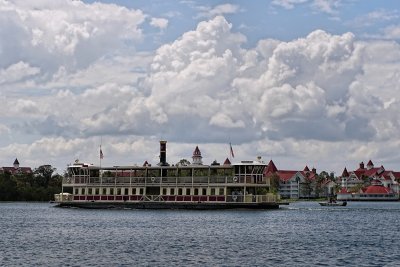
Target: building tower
<point>16,164</point>
<point>197,158</point>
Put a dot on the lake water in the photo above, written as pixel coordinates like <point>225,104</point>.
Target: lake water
<point>301,234</point>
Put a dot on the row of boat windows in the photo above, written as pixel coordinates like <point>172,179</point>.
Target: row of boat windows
<point>140,191</point>
<point>172,172</point>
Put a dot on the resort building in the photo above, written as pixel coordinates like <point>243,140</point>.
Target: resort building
<point>293,184</point>
<point>16,169</point>
<point>369,183</point>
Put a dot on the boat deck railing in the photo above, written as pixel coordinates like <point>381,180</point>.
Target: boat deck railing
<point>141,181</point>
<point>268,198</point>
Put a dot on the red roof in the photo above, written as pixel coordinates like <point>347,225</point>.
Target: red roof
<point>377,189</point>
<point>286,175</point>
<point>344,191</point>
<point>370,164</point>
<point>309,175</point>
<point>366,172</point>
<point>271,167</point>
<point>396,175</point>
<point>306,169</point>
<point>14,170</point>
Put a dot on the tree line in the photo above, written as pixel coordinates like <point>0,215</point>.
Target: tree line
<point>40,185</point>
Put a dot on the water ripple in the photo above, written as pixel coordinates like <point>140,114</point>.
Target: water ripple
<point>303,234</point>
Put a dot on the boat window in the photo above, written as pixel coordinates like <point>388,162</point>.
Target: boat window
<point>185,172</point>
<point>221,191</point>
<point>180,191</point>
<point>140,191</point>
<point>83,191</point>
<point>172,192</point>
<point>204,193</point>
<point>126,191</point>
<point>171,172</point>
<point>200,172</point>
<point>188,191</point>
<point>97,190</point>
<point>118,191</point>
<point>164,191</point>
<point>212,191</point>
<point>196,192</point>
<point>153,173</point>
<point>111,191</point>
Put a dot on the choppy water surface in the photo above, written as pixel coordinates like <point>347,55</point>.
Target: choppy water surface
<point>302,234</point>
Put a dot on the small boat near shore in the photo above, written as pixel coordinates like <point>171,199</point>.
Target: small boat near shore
<point>333,203</point>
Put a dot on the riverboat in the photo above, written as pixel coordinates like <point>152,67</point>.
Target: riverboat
<point>194,186</point>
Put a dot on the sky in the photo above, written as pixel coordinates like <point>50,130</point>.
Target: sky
<point>301,82</point>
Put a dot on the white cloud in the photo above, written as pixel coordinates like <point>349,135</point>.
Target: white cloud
<point>327,6</point>
<point>315,98</point>
<point>288,4</point>
<point>376,16</point>
<point>217,10</point>
<point>392,32</point>
<point>160,23</point>
<point>17,72</point>
<point>53,33</point>
<point>224,121</point>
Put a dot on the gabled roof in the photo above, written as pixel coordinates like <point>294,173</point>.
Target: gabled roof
<point>396,175</point>
<point>16,162</point>
<point>309,175</point>
<point>306,169</point>
<point>227,162</point>
<point>370,163</point>
<point>345,173</point>
<point>377,189</point>
<point>196,152</point>
<point>286,175</point>
<point>271,167</point>
<point>343,190</point>
<point>145,164</point>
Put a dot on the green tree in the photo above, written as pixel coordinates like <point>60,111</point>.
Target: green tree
<point>307,186</point>
<point>43,175</point>
<point>8,187</point>
<point>183,162</point>
<point>274,183</point>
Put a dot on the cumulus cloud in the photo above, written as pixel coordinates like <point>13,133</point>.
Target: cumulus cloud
<point>61,32</point>
<point>17,72</point>
<point>312,98</point>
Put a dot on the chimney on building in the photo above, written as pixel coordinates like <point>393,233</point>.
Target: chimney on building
<point>163,153</point>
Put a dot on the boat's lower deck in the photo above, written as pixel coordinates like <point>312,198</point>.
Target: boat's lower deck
<point>167,205</point>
